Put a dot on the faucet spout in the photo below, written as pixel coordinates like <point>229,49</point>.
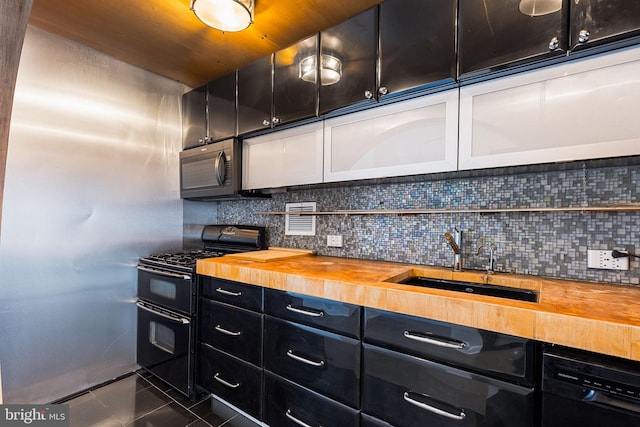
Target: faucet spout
<point>491,257</point>
<point>452,242</point>
<point>455,241</point>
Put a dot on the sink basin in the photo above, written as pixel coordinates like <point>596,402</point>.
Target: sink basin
<point>473,288</point>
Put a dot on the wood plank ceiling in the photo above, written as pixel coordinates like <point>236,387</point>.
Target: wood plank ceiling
<point>165,37</point>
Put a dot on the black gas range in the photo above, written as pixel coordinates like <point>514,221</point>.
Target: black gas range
<point>167,302</point>
<point>217,240</point>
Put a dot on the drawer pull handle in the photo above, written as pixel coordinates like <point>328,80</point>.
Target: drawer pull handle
<point>226,383</point>
<point>294,356</point>
<point>435,410</point>
<point>230,293</point>
<point>226,331</point>
<point>297,421</point>
<point>306,312</point>
<point>440,342</point>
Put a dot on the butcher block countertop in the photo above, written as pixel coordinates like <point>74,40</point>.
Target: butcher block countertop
<point>597,317</point>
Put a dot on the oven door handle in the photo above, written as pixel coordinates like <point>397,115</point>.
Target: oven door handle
<point>164,273</point>
<point>181,320</point>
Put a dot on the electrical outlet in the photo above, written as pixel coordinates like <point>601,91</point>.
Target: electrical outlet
<point>334,241</point>
<point>604,260</point>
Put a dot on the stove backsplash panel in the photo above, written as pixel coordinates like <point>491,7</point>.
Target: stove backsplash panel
<point>545,244</point>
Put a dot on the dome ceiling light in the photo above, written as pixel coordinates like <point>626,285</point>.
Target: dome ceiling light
<point>224,15</point>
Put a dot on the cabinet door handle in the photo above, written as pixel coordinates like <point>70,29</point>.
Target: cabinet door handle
<point>294,356</point>
<point>297,421</point>
<point>305,311</point>
<point>368,94</point>
<point>266,122</point>
<point>224,382</point>
<point>460,416</point>
<point>440,342</point>
<point>226,331</point>
<point>583,36</point>
<point>383,90</point>
<point>230,293</point>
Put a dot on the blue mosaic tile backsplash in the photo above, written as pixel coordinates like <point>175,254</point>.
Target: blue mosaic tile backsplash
<point>552,244</point>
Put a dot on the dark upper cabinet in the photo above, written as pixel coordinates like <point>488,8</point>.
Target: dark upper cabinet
<point>348,62</point>
<point>495,33</point>
<point>254,96</point>
<point>594,22</point>
<point>221,107</point>
<point>295,92</point>
<point>194,117</point>
<point>417,44</point>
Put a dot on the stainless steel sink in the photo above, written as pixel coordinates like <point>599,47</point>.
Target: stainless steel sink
<point>473,288</point>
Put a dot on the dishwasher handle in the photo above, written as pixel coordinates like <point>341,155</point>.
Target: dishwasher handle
<point>595,396</point>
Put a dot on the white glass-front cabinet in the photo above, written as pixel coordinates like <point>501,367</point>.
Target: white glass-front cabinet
<point>406,138</point>
<point>579,110</point>
<point>283,158</point>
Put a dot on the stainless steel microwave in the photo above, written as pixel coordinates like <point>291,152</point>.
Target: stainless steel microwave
<point>211,171</point>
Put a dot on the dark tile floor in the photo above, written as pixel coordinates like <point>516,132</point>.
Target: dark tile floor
<point>141,400</point>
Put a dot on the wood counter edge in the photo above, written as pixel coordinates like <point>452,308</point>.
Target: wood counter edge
<point>528,320</point>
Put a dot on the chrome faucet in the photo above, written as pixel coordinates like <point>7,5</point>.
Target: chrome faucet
<point>491,254</point>
<point>455,241</point>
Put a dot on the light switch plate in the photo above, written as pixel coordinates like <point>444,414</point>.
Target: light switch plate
<point>334,241</point>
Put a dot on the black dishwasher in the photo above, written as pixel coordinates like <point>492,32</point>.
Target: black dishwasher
<point>589,390</point>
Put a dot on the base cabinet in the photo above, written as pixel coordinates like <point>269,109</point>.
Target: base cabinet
<point>296,360</point>
<point>290,405</point>
<point>494,354</point>
<point>325,362</point>
<point>232,379</point>
<point>369,421</point>
<point>230,342</point>
<point>412,392</point>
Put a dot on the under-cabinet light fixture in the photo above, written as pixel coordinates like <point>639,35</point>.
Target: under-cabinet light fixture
<point>224,15</point>
<point>539,7</point>
<point>330,69</point>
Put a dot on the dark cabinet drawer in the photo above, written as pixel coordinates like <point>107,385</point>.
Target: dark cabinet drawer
<point>235,381</point>
<point>491,353</point>
<point>322,313</point>
<point>234,293</point>
<point>289,405</point>
<point>320,360</point>
<point>234,330</point>
<point>369,421</point>
<point>412,392</point>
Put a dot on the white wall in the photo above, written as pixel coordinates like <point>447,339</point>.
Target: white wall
<point>91,185</point>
